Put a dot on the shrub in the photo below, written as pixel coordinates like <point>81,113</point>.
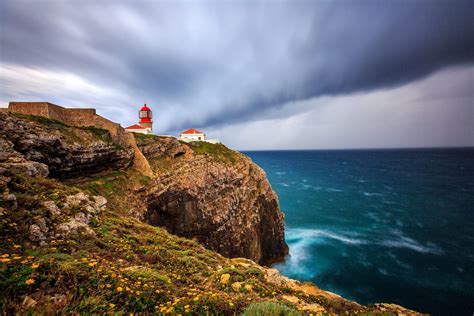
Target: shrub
<point>217,151</point>
<point>269,309</point>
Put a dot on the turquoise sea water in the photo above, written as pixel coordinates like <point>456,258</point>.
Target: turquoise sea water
<point>380,225</point>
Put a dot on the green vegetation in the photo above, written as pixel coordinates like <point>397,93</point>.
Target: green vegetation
<point>141,136</point>
<point>99,133</point>
<point>106,184</point>
<point>269,309</point>
<point>40,119</point>
<point>217,151</point>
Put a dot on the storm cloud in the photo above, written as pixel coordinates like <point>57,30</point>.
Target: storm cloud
<point>213,64</point>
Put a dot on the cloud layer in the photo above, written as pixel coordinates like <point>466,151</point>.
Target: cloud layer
<point>217,64</point>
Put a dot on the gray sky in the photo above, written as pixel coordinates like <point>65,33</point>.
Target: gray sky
<point>257,75</point>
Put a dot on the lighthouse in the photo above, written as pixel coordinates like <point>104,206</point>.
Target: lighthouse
<point>145,117</point>
<point>145,121</point>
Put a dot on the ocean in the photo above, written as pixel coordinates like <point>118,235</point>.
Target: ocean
<point>394,226</point>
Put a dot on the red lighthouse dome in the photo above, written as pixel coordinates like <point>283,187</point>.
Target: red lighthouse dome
<point>145,114</point>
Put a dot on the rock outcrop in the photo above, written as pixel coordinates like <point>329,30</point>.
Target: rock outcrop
<point>217,196</point>
<point>70,212</point>
<point>66,151</point>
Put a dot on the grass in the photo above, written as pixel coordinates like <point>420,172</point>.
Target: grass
<point>141,136</point>
<point>40,119</point>
<point>99,133</point>
<point>270,309</point>
<point>218,152</point>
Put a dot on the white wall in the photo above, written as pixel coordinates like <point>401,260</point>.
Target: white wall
<point>193,137</point>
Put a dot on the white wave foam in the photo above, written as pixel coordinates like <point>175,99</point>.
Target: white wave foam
<point>333,190</point>
<point>315,235</point>
<point>372,194</point>
<point>280,173</point>
<point>284,184</point>
<point>402,241</point>
<point>382,271</point>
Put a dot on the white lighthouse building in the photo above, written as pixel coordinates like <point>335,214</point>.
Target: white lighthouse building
<point>191,135</point>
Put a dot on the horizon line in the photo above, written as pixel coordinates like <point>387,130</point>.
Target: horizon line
<point>361,149</point>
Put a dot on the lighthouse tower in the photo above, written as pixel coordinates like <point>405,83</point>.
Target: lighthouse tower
<point>145,122</point>
<point>145,117</point>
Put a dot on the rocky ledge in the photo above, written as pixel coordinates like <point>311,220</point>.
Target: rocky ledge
<point>67,151</point>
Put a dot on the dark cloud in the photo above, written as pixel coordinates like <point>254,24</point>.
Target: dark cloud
<point>219,62</point>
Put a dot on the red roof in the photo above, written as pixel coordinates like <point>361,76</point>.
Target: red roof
<point>145,108</point>
<point>192,131</point>
<point>136,126</point>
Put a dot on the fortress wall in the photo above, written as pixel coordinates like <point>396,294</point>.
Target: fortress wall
<point>75,117</point>
<point>32,108</point>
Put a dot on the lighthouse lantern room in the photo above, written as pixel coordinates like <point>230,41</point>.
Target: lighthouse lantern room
<point>145,121</point>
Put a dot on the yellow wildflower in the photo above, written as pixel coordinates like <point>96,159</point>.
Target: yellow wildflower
<point>108,286</point>
<point>225,278</point>
<point>35,266</point>
<point>16,246</point>
<point>111,305</point>
<point>4,259</point>
<point>30,281</point>
<point>119,289</point>
<point>236,286</point>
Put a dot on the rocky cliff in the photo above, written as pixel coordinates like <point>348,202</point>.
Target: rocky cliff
<point>76,235</point>
<point>210,193</point>
<point>216,196</point>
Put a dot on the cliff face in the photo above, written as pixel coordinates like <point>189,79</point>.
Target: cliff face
<point>66,151</point>
<point>215,195</point>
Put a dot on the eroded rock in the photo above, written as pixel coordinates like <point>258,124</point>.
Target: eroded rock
<point>227,203</point>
